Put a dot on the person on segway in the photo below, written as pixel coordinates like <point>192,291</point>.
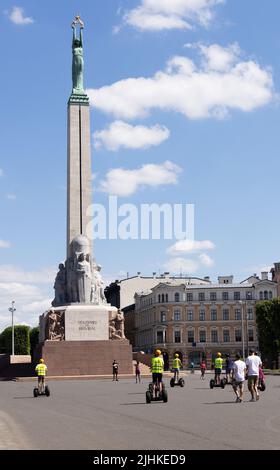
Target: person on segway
<point>176,365</point>
<point>157,370</point>
<point>41,370</point>
<point>218,368</point>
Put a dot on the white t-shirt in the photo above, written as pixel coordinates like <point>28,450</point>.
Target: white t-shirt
<point>239,368</point>
<point>253,362</point>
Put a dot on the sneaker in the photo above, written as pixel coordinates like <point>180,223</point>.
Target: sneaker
<point>237,400</point>
<point>252,399</point>
<point>257,397</point>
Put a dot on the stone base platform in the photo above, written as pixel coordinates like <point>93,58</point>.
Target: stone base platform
<point>69,358</point>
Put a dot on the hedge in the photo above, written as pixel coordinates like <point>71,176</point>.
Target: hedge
<point>22,340</point>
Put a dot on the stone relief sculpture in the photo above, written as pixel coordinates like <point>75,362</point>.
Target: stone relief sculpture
<point>55,326</point>
<point>116,325</point>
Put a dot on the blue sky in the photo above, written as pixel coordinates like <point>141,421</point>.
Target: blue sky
<point>225,139</point>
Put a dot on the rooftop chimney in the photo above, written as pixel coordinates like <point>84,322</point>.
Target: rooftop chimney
<point>264,275</point>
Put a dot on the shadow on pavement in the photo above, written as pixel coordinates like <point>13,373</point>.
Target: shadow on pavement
<point>127,404</point>
<point>221,403</point>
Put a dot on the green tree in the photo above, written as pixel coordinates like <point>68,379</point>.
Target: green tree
<point>268,322</point>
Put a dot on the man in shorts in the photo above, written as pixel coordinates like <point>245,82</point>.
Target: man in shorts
<point>239,370</point>
<point>253,364</point>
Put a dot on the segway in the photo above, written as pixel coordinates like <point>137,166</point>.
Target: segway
<point>45,392</point>
<point>179,383</point>
<point>214,384</point>
<point>156,395</point>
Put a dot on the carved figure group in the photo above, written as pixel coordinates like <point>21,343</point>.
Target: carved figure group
<point>79,280</point>
<point>116,325</point>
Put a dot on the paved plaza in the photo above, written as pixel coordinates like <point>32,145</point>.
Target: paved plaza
<point>100,414</point>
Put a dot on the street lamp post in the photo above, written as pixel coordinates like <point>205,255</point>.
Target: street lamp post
<point>12,309</point>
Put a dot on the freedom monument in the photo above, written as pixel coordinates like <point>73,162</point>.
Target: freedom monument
<point>81,334</point>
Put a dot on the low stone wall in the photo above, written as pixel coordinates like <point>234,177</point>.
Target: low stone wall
<point>20,359</point>
<point>4,361</point>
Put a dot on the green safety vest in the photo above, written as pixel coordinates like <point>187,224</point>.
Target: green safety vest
<point>218,363</point>
<point>41,370</point>
<point>176,363</point>
<point>157,365</point>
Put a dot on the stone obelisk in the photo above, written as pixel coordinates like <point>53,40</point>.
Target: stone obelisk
<point>79,193</point>
<point>81,334</point>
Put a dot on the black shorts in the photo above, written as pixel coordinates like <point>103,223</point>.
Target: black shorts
<point>218,372</point>
<point>157,378</point>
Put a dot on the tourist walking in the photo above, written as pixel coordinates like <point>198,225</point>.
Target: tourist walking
<point>238,370</point>
<point>253,364</point>
<point>137,372</point>
<point>202,370</point>
<point>115,370</point>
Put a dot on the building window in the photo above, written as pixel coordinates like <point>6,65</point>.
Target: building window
<point>270,295</point>
<point>226,336</point>
<point>213,315</point>
<point>177,315</point>
<point>162,298</point>
<point>189,297</point>
<point>202,336</point>
<point>202,315</point>
<point>190,336</point>
<point>225,296</point>
<point>160,337</point>
<point>201,296</point>
<point>177,297</point>
<point>163,317</point>
<point>238,336</point>
<point>214,336</point>
<point>250,334</point>
<point>250,314</point>
<point>159,298</point>
<point>261,295</point>
<point>249,295</point>
<point>190,315</point>
<point>237,314</point>
<point>236,295</point>
<point>213,296</point>
<point>166,297</point>
<point>265,295</point>
<point>177,336</point>
<point>225,314</point>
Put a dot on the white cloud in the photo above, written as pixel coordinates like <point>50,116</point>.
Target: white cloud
<point>31,290</point>
<point>206,260</point>
<point>178,265</point>
<point>31,301</point>
<point>17,17</point>
<point>190,246</point>
<point>10,273</point>
<point>120,134</point>
<point>4,244</point>
<point>221,83</point>
<point>157,15</point>
<point>122,182</point>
